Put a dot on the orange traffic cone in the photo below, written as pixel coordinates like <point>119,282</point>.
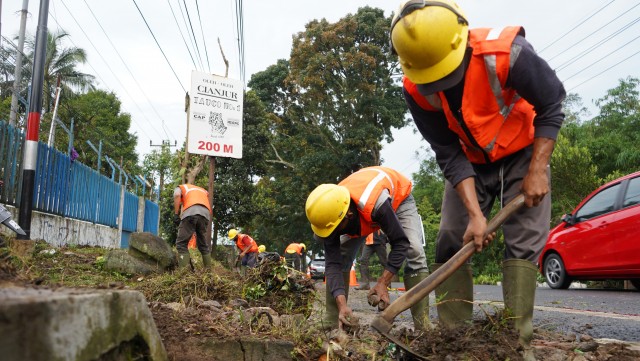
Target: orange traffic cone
<point>308,273</point>
<point>353,282</point>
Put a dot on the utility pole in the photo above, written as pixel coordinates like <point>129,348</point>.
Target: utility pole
<point>33,123</point>
<point>17,76</point>
<point>165,144</point>
<point>52,131</point>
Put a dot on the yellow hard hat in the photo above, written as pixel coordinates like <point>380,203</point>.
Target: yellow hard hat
<point>304,247</point>
<point>326,206</point>
<point>430,38</point>
<point>233,233</point>
<point>262,248</point>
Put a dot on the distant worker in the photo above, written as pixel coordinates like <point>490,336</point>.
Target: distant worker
<point>371,198</point>
<point>195,216</point>
<point>375,242</point>
<point>247,247</point>
<point>294,254</point>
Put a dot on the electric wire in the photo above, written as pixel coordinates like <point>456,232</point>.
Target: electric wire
<point>204,40</point>
<point>193,33</point>
<point>576,26</point>
<point>163,124</point>
<point>602,58</point>
<point>607,69</point>
<point>108,67</point>
<point>182,35</point>
<point>596,45</point>
<point>579,42</point>
<point>186,27</point>
<point>159,47</point>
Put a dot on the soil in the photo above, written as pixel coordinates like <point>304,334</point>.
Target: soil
<point>182,307</point>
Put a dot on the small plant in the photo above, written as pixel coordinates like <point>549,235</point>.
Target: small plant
<point>254,292</point>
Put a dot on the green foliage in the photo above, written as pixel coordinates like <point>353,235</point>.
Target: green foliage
<point>253,292</point>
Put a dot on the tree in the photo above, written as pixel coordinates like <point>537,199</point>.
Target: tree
<point>61,63</point>
<point>332,104</point>
<point>97,116</point>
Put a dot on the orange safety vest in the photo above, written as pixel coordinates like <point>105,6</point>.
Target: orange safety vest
<point>366,185</point>
<point>192,195</point>
<point>497,121</point>
<point>294,248</point>
<point>240,243</point>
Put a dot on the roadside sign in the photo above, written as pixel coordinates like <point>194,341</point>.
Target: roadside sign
<point>215,119</point>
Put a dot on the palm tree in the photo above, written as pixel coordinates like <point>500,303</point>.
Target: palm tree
<point>62,62</point>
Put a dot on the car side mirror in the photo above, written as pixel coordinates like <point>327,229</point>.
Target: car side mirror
<point>568,219</point>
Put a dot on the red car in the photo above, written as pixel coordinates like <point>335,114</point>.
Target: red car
<point>600,239</point>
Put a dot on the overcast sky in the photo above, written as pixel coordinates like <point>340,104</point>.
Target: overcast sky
<point>591,44</point>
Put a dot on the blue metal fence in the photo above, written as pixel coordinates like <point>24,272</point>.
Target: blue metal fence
<point>68,188</point>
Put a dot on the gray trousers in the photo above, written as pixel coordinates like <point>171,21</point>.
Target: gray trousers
<point>525,232</point>
<point>407,213</point>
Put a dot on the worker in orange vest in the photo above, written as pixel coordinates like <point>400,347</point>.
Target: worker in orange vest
<point>340,214</point>
<point>247,247</point>
<point>491,109</point>
<point>294,255</point>
<point>194,218</point>
<point>375,242</point>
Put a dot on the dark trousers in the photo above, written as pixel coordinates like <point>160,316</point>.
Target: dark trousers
<point>293,261</point>
<point>193,224</point>
<point>250,259</point>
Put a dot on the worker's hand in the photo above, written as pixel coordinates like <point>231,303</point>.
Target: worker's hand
<point>535,186</point>
<point>379,296</point>
<point>176,219</point>
<point>475,233</point>
<point>345,314</point>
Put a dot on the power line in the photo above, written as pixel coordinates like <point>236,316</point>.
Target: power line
<point>159,47</point>
<point>575,27</point>
<point>614,65</point>
<point>127,67</point>
<point>181,34</point>
<point>186,26</point>
<point>596,45</point>
<point>602,58</point>
<point>620,30</point>
<point>204,40</point>
<point>108,67</point>
<point>192,32</point>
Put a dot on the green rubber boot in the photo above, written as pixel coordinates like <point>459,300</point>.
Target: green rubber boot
<point>419,311</point>
<point>330,320</point>
<point>206,260</point>
<point>183,260</point>
<point>459,286</point>
<point>519,292</point>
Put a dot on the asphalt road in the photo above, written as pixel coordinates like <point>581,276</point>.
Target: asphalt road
<point>602,314</point>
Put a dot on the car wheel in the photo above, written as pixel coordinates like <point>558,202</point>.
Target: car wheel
<point>555,273</point>
<point>636,283</point>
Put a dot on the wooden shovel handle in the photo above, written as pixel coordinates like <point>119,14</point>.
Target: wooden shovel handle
<point>422,289</point>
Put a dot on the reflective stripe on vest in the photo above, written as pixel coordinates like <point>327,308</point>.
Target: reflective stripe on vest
<point>192,195</point>
<point>494,49</point>
<point>365,187</point>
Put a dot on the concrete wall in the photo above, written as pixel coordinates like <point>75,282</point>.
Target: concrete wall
<point>59,231</point>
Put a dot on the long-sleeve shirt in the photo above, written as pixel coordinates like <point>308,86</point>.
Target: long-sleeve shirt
<point>531,77</point>
<point>383,215</point>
